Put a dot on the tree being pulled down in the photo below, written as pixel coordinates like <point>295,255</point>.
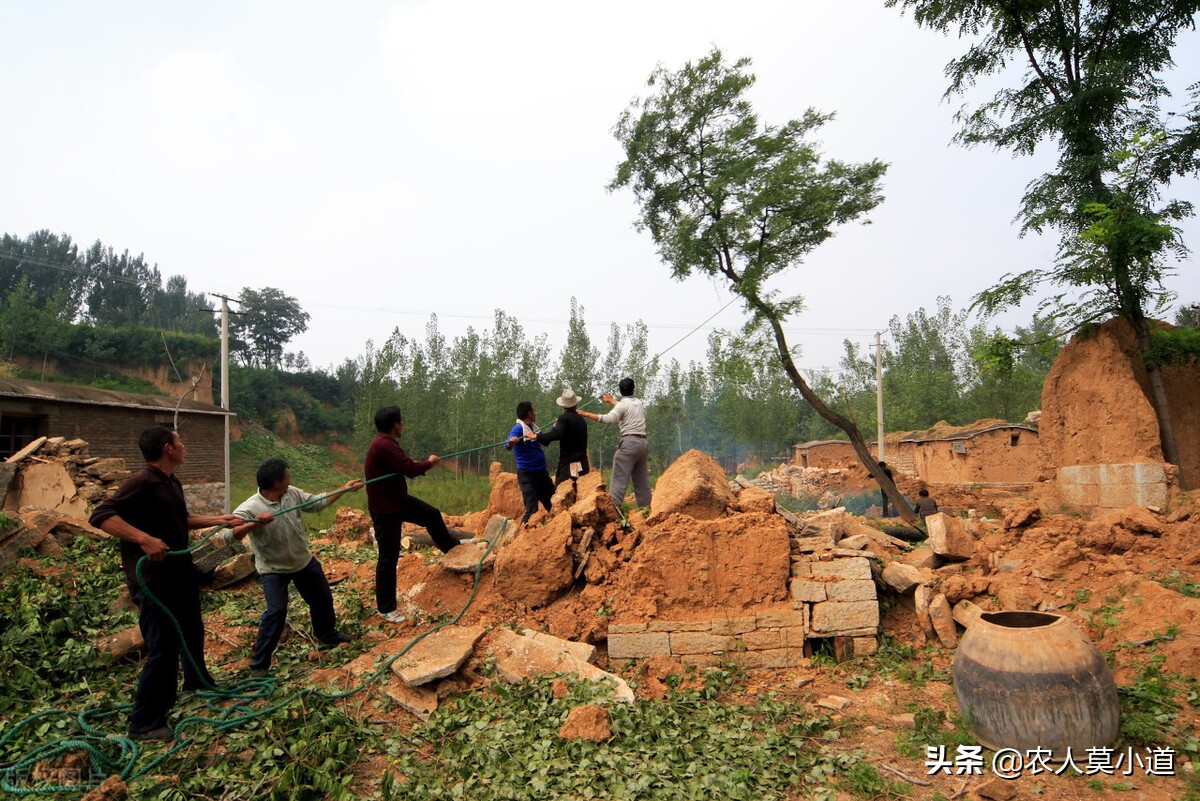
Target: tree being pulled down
<point>722,196</point>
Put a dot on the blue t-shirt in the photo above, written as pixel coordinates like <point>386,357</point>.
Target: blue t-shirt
<point>528,453</point>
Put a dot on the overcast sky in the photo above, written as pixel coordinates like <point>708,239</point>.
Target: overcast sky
<point>382,161</point>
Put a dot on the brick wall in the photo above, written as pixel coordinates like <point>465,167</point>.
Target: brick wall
<point>113,431</point>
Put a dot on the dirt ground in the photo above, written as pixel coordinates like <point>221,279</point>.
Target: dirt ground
<point>1112,576</point>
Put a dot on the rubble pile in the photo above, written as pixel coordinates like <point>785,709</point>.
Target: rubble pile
<point>827,485</point>
<point>714,572</point>
<point>46,490</point>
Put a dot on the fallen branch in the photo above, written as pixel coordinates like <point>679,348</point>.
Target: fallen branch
<point>1152,640</point>
<point>904,776</point>
<point>961,790</point>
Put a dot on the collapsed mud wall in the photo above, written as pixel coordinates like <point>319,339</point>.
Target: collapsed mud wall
<point>1100,441</point>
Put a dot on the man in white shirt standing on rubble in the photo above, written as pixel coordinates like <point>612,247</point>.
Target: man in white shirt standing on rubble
<point>630,460</point>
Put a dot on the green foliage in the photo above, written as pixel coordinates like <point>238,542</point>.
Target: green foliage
<point>929,729</point>
<point>1180,583</point>
<point>1151,708</point>
<point>865,781</point>
<point>503,743</point>
<point>906,663</point>
<point>308,750</point>
<point>1178,347</point>
<point>320,402</point>
<point>48,625</point>
<point>266,321</point>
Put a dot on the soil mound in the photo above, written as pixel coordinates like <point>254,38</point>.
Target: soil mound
<point>694,485</point>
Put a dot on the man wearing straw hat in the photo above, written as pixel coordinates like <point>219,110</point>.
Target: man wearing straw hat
<point>570,432</point>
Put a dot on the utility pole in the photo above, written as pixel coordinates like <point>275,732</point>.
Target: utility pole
<point>225,385</point>
<point>879,390</point>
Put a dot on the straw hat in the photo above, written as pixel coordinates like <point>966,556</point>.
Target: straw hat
<point>568,399</point>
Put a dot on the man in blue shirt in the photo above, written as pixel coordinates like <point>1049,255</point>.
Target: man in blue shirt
<point>532,476</point>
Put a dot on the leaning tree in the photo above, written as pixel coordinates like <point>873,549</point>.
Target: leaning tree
<point>725,197</point>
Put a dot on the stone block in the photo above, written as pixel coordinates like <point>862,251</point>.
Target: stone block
<point>855,543</point>
<point>699,642</point>
<point>635,646</point>
<point>733,625</point>
<point>438,655</point>
<point>865,646</point>
<point>779,618</point>
<point>965,613</point>
<point>850,590</point>
<point>762,639</point>
<point>794,636</point>
<point>783,658</point>
<point>1080,474</point>
<point>583,651</point>
<point>626,628</point>
<point>811,544</point>
<point>943,621</point>
<point>836,616</point>
<point>1081,496</point>
<point>417,700</point>
<point>1109,474</point>
<point>901,577</point>
<point>948,538</point>
<point>852,568</point>
<point>810,591</point>
<point>680,625</point>
<point>702,660</point>
<point>1149,473</point>
<point>920,558</point>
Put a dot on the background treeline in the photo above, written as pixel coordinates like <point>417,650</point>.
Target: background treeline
<point>96,308</point>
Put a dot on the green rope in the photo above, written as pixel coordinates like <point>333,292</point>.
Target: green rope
<point>225,716</point>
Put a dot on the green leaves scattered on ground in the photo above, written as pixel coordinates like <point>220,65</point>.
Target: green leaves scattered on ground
<point>503,744</point>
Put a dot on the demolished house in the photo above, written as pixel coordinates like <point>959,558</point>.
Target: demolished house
<point>1100,444</point>
<point>108,422</point>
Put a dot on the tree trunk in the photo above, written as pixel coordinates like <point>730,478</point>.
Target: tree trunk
<point>845,424</point>
<point>1158,392</point>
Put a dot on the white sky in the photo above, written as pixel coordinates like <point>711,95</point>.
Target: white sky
<point>381,161</point>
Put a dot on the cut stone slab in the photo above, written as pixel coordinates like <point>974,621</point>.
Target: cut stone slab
<point>467,558</point>
<point>519,658</point>
<point>857,568</point>
<point>123,643</point>
<point>949,539</point>
<point>497,525</point>
<point>921,558</point>
<point>835,702</point>
<point>420,701</point>
<point>213,553</point>
<point>28,449</point>
<point>854,543</point>
<point>943,621</point>
<point>901,577</point>
<point>579,650</point>
<point>438,655</point>
<point>233,571</point>
<point>832,617</point>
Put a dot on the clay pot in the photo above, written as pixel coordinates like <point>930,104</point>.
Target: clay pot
<point>1029,680</point>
